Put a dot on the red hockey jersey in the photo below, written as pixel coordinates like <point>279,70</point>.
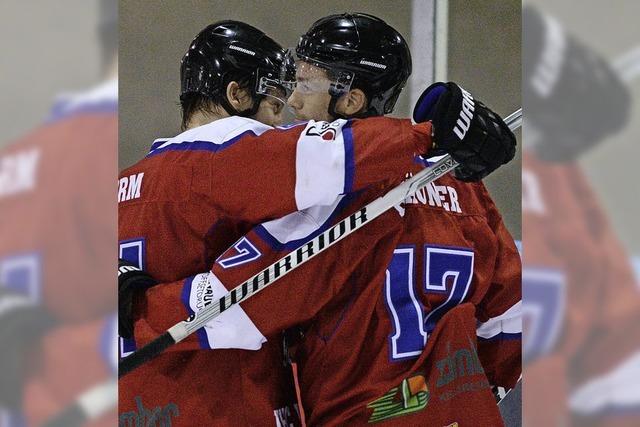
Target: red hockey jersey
<point>441,268</point>
<point>581,303</point>
<point>195,194</point>
<point>57,228</point>
<point>58,219</point>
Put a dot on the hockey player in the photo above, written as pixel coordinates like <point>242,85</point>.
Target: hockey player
<point>57,228</point>
<point>378,345</point>
<point>212,170</point>
<point>581,299</point>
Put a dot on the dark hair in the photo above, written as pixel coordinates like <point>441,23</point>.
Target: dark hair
<point>194,102</point>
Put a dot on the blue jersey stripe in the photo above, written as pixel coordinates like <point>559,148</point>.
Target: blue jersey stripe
<point>199,145</point>
<point>276,245</point>
<point>60,112</point>
<point>349,160</point>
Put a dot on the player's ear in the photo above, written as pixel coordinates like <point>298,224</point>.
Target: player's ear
<point>352,103</point>
<point>238,97</point>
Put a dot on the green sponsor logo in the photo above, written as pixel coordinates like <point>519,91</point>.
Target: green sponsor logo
<point>411,396</point>
<point>460,364</point>
<point>160,416</point>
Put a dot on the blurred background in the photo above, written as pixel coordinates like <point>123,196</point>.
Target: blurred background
<point>48,48</point>
<point>478,45</point>
<point>610,31</point>
<point>581,298</point>
<point>58,166</point>
<point>580,199</point>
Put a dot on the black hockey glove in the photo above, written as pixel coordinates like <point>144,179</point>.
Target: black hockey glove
<point>131,279</point>
<point>22,325</point>
<point>574,98</point>
<point>464,127</point>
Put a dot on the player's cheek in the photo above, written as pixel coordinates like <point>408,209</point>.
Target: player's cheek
<point>278,117</point>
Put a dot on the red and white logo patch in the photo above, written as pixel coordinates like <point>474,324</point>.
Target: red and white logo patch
<point>322,129</point>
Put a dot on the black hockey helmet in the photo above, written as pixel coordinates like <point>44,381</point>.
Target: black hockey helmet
<point>363,52</point>
<point>232,50</point>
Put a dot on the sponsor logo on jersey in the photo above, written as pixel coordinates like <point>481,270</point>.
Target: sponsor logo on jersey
<point>462,364</point>
<point>440,196</point>
<point>18,172</point>
<point>158,416</point>
<point>466,114</point>
<point>324,130</point>
<point>410,396</point>
<point>129,187</point>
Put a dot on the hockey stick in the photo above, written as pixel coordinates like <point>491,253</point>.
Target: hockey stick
<point>90,405</point>
<point>294,259</point>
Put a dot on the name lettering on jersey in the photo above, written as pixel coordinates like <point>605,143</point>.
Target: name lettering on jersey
<point>466,114</point>
<point>18,172</point>
<point>532,200</point>
<point>130,187</point>
<point>441,196</point>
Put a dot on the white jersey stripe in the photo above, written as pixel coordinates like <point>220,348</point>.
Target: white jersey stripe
<point>510,322</point>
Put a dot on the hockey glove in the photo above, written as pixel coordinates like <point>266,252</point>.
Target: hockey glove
<point>22,325</point>
<point>131,279</point>
<point>464,127</point>
<point>575,99</point>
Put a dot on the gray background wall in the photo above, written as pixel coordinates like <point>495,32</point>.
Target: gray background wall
<point>611,30</point>
<point>48,47</point>
<point>484,55</point>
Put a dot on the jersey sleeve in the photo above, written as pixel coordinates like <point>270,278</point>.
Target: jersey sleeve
<point>499,313</point>
<point>286,170</point>
<point>295,298</point>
